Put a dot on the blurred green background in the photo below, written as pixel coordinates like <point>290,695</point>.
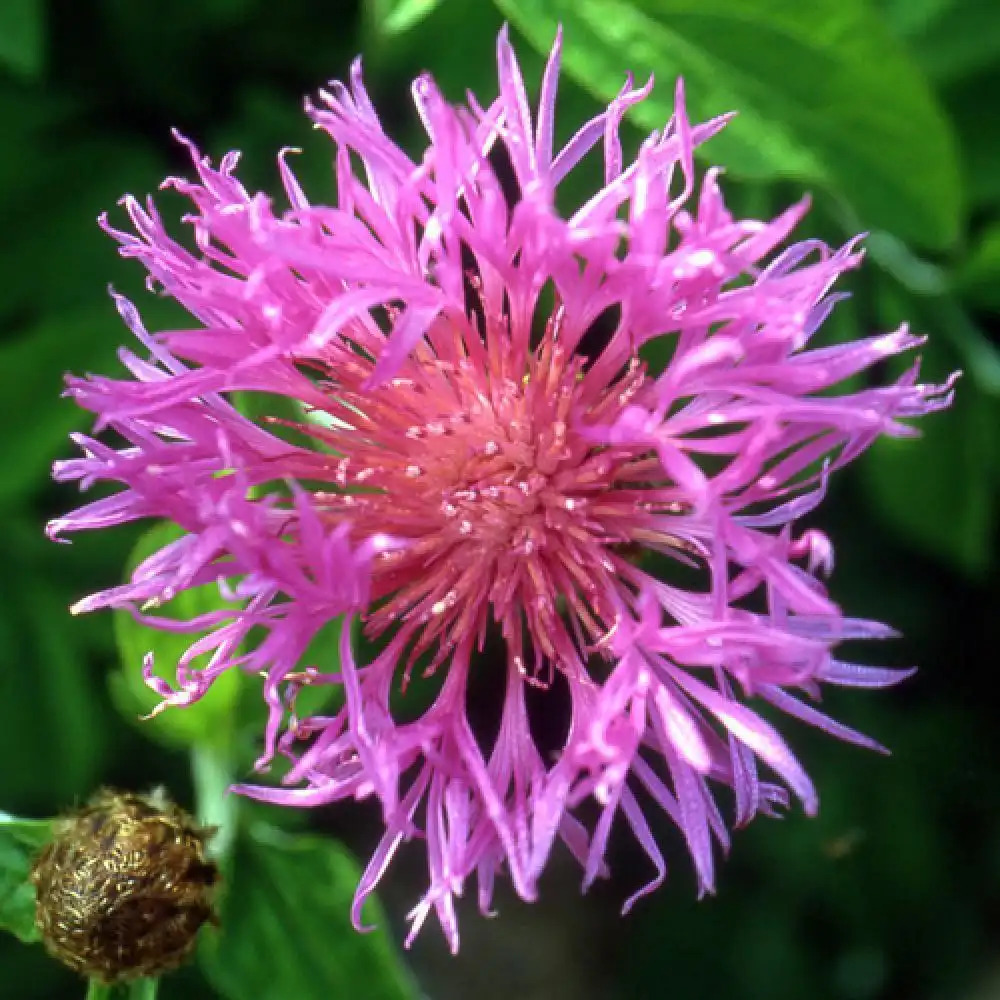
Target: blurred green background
<point>886,111</point>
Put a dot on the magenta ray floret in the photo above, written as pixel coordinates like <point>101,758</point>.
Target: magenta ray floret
<point>480,442</point>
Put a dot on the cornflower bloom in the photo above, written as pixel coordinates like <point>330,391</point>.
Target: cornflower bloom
<point>588,435</point>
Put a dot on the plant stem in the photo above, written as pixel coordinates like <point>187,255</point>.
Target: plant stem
<point>139,989</point>
<point>215,806</point>
<point>143,989</point>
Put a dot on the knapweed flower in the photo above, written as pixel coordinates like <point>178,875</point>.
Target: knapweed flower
<point>582,437</point>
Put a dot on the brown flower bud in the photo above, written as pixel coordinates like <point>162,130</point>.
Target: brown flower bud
<point>124,887</point>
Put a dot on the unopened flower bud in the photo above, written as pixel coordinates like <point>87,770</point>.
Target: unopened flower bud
<point>124,887</point>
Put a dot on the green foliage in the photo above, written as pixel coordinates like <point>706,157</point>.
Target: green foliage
<point>57,214</point>
<point>22,36</point>
<point>393,17</point>
<point>949,38</point>
<point>298,889</point>
<point>62,735</point>
<point>979,277</point>
<point>209,722</point>
<point>960,446</point>
<point>64,341</point>
<point>20,842</point>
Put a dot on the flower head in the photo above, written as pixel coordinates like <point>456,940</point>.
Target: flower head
<point>588,435</point>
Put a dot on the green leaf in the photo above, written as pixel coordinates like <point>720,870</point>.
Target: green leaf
<point>285,928</point>
<point>211,720</point>
<point>394,17</point>
<point>22,36</point>
<point>20,842</point>
<point>929,287</point>
<point>978,127</point>
<point>917,275</point>
<point>35,364</point>
<point>53,722</point>
<point>950,38</point>
<point>824,92</point>
<point>29,117</point>
<point>908,18</point>
<point>978,357</point>
<point>979,277</point>
<point>54,256</point>
<point>938,492</point>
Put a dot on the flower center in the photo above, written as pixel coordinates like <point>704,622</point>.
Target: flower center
<point>509,511</point>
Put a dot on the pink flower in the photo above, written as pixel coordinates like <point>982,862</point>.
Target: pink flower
<point>479,446</point>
